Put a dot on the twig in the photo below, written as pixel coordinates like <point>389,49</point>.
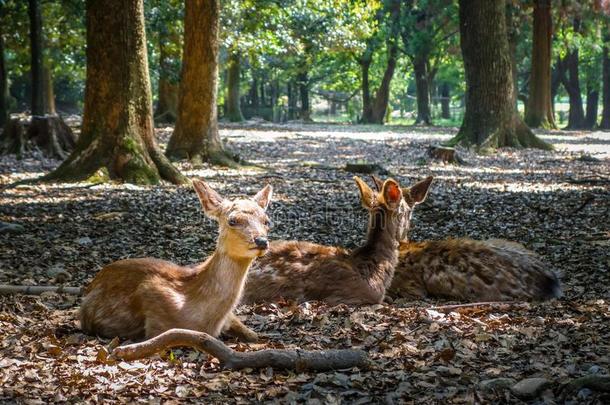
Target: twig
<point>318,360</point>
<point>39,289</point>
<point>477,304</point>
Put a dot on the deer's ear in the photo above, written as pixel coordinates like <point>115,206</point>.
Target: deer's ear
<point>263,197</point>
<point>392,194</point>
<point>211,201</point>
<point>367,196</point>
<point>418,192</point>
<point>378,182</point>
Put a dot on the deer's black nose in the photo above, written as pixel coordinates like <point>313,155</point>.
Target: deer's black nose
<point>261,242</point>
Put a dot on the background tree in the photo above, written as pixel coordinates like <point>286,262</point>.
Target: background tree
<point>425,26</point>
<point>4,108</point>
<point>491,118</point>
<point>117,130</point>
<point>374,106</point>
<point>36,66</point>
<point>539,107</point>
<point>605,120</point>
<point>196,135</point>
<point>165,22</point>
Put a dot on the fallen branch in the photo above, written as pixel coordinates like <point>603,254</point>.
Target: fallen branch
<point>478,304</point>
<point>299,360</point>
<point>39,289</point>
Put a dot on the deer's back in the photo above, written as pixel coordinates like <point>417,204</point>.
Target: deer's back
<point>116,300</point>
<point>304,271</point>
<point>469,270</point>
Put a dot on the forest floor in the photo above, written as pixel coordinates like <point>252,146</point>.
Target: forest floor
<point>556,203</point>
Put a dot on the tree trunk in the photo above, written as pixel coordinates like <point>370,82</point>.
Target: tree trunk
<point>491,118</point>
<point>36,66</point>
<point>539,106</point>
<point>592,105</point>
<point>557,75</point>
<point>167,103</point>
<point>445,101</point>
<point>576,115</point>
<point>196,135</point>
<point>422,88</point>
<point>254,95</point>
<point>117,130</point>
<point>303,83</point>
<point>292,101</point>
<point>49,94</point>
<point>4,108</point>
<point>605,123</point>
<point>49,134</point>
<point>382,97</point>
<point>367,107</point>
<point>233,78</point>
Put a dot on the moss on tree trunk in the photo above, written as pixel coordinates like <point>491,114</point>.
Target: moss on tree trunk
<point>117,130</point>
<point>196,135</point>
<point>491,119</point>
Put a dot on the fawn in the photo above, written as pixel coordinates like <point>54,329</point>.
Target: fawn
<point>468,270</point>
<point>304,271</point>
<point>138,298</point>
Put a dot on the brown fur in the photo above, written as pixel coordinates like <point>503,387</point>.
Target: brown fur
<point>470,270</point>
<point>304,271</point>
<point>138,298</point>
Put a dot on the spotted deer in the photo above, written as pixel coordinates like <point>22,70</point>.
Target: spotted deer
<point>304,271</point>
<point>468,270</point>
<point>138,298</point>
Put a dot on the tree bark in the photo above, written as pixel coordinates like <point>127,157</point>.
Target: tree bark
<point>167,103</point>
<point>196,135</point>
<point>292,101</point>
<point>571,82</point>
<point>303,83</point>
<point>592,108</point>
<point>605,123</point>
<point>422,88</point>
<point>233,80</point>
<point>445,101</point>
<point>491,118</point>
<point>49,93</point>
<point>367,107</point>
<point>36,65</point>
<point>539,106</point>
<point>117,130</point>
<point>230,359</point>
<point>4,108</point>
<point>48,133</point>
<point>374,109</point>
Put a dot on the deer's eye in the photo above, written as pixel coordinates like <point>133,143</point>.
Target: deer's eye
<point>267,222</point>
<point>232,221</point>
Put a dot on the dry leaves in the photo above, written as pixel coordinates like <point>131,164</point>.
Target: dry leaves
<point>420,354</point>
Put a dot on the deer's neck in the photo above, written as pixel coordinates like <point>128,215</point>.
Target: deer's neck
<point>378,256</point>
<point>218,285</point>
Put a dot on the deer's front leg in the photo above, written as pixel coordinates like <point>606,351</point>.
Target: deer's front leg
<point>234,327</point>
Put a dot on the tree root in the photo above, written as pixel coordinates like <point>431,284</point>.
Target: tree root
<point>231,359</point>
